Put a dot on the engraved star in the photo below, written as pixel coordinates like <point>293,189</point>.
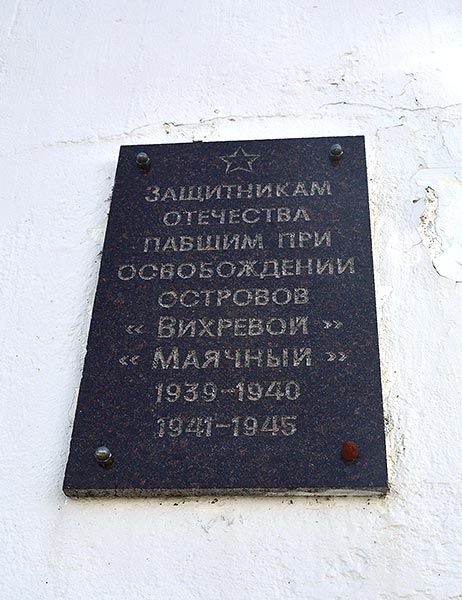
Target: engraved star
<point>239,161</point>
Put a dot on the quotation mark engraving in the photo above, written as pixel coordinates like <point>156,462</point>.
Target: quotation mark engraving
<point>131,329</point>
<point>125,360</point>
<point>334,324</point>
<point>340,356</point>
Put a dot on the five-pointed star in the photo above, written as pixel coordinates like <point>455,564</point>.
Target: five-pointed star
<point>239,161</point>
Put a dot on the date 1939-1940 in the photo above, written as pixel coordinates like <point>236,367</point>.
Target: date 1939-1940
<point>207,392</point>
<point>240,425</point>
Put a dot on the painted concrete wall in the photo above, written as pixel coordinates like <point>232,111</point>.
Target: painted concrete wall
<point>77,79</point>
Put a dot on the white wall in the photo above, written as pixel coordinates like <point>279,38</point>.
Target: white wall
<point>77,79</point>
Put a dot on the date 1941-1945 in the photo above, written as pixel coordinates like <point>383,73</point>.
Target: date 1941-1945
<point>207,426</point>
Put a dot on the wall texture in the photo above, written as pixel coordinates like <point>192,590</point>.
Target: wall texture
<point>77,79</point>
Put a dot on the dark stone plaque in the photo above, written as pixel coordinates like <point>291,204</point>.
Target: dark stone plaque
<point>233,344</point>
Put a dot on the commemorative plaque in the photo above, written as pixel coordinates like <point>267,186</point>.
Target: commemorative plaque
<point>233,344</point>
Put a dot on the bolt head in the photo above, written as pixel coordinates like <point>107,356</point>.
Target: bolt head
<point>350,451</point>
<point>142,160</point>
<point>103,455</point>
<point>336,151</point>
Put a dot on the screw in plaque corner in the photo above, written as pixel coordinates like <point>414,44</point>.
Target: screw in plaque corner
<point>350,451</point>
<point>143,161</point>
<point>336,152</point>
<point>104,456</point>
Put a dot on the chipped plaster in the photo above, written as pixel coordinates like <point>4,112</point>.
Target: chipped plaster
<point>440,225</point>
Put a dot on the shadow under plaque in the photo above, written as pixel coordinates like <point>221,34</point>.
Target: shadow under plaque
<point>233,343</point>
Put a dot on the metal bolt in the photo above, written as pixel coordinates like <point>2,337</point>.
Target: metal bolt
<point>336,152</point>
<point>350,451</point>
<point>143,161</point>
<point>103,456</point>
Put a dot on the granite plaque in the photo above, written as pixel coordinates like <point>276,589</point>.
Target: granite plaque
<point>233,344</point>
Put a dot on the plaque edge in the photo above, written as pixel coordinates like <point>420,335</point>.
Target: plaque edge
<point>377,491</point>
